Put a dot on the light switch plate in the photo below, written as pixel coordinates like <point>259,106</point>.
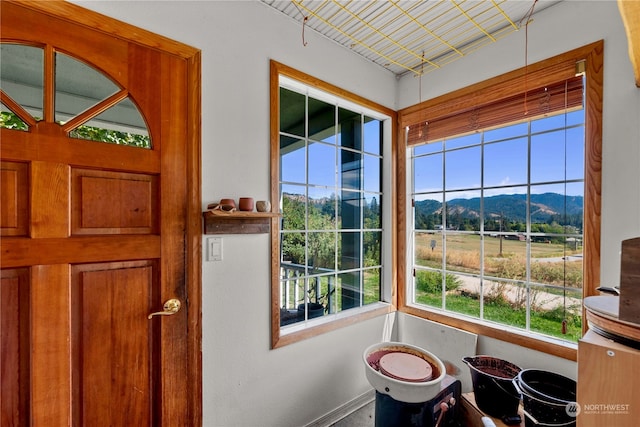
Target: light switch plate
<point>214,248</point>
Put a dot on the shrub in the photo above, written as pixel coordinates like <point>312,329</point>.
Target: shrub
<point>430,282</point>
<point>509,268</point>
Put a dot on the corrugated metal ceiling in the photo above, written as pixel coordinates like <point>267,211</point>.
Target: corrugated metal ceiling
<point>412,36</point>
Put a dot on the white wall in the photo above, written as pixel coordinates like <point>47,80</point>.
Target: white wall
<point>245,383</point>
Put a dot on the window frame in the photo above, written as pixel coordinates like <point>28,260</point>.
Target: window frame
<point>542,73</point>
<point>345,318</point>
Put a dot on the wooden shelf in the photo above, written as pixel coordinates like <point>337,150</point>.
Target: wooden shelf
<point>238,222</point>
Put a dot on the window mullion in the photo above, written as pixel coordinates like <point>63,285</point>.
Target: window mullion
<point>528,234</point>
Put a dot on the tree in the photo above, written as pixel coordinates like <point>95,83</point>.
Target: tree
<point>8,120</point>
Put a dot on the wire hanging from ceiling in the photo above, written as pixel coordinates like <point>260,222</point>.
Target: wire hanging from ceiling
<point>305,18</point>
<point>420,76</point>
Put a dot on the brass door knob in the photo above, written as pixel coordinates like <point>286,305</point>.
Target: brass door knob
<point>170,307</point>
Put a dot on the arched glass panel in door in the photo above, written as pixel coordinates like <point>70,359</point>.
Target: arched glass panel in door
<point>21,81</point>
<point>88,104</point>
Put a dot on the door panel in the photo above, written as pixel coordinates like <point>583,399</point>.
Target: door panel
<point>111,331</point>
<point>14,198</point>
<point>104,202</point>
<point>14,363</point>
<point>94,236</point>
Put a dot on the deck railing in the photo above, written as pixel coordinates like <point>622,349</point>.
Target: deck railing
<point>292,291</point>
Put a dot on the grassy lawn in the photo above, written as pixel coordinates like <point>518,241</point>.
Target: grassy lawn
<point>508,262</point>
<point>371,286</point>
<point>545,322</point>
<point>507,259</point>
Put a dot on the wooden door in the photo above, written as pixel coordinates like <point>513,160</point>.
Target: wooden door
<point>96,236</point>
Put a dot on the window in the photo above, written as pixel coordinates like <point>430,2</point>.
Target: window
<point>88,104</point>
<point>507,246</point>
<point>503,202</point>
<point>331,186</point>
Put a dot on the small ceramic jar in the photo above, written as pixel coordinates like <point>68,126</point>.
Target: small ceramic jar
<point>263,206</point>
<point>228,202</point>
<point>245,204</point>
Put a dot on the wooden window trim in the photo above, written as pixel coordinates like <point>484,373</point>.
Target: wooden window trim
<point>538,75</point>
<point>277,340</point>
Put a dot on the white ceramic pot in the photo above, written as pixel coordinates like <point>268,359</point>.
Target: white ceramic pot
<point>404,391</point>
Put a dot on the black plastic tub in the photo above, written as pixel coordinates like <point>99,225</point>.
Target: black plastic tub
<point>549,399</point>
<point>493,386</point>
<point>547,386</point>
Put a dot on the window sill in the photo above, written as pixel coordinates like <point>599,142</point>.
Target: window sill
<point>548,345</point>
<point>310,328</point>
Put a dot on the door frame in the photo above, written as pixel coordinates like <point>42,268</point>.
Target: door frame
<point>193,211</point>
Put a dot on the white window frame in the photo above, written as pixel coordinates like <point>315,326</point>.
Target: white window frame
<point>299,82</point>
<point>482,276</point>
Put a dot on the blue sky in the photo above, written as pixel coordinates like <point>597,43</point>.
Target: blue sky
<point>506,160</point>
<point>554,155</point>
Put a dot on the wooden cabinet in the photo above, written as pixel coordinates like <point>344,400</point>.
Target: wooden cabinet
<point>608,383</point>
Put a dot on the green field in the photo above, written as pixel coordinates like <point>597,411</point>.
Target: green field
<point>505,259</point>
<point>471,242</point>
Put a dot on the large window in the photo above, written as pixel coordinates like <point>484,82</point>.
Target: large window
<point>503,202</point>
<point>497,224</point>
<point>332,198</point>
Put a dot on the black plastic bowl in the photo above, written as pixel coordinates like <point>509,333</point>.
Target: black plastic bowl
<point>546,397</point>
<point>493,386</point>
<point>547,386</point>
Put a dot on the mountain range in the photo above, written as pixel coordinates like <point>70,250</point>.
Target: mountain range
<point>544,206</point>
